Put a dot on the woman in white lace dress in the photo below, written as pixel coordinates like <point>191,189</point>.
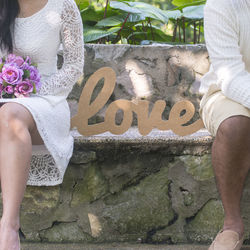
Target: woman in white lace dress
<point>35,140</point>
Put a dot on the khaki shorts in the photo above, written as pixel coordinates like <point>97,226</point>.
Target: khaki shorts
<point>216,107</point>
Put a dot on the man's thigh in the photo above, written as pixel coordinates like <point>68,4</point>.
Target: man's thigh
<point>217,108</point>
<point>25,115</point>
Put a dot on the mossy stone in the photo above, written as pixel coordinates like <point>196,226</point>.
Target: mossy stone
<point>207,222</point>
<point>91,187</point>
<point>141,208</point>
<point>200,167</point>
<point>65,232</point>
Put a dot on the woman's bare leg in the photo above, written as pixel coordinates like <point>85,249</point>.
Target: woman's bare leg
<point>15,155</point>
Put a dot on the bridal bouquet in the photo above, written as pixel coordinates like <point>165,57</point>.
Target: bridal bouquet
<point>18,77</point>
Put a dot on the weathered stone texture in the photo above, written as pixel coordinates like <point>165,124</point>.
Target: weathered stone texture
<point>170,73</point>
<point>128,193</point>
<point>206,224</point>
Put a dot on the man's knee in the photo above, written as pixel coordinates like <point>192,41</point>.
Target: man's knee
<point>234,127</point>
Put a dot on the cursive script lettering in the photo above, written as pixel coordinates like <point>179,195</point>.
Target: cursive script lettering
<point>146,121</point>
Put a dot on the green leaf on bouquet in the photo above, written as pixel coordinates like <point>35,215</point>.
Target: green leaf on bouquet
<point>26,74</point>
<point>5,84</point>
<point>34,88</point>
<point>1,66</point>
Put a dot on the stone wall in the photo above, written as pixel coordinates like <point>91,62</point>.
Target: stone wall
<point>170,73</point>
<point>154,189</point>
<point>159,188</point>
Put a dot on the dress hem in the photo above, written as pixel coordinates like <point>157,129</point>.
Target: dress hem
<point>46,183</point>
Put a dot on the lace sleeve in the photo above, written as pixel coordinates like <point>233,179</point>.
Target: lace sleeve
<point>61,83</point>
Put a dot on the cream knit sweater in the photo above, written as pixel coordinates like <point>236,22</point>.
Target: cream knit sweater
<point>227,36</point>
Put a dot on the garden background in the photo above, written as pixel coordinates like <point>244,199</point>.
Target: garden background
<point>142,22</point>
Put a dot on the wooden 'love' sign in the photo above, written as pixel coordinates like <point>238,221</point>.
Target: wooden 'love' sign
<point>146,121</point>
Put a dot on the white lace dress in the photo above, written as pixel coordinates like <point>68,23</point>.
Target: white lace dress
<point>40,36</point>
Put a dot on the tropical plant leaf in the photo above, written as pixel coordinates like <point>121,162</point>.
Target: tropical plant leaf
<point>93,33</point>
<point>138,33</point>
<point>150,11</point>
<point>187,2</point>
<point>124,6</point>
<point>82,4</point>
<point>153,33</point>
<point>111,21</point>
<point>173,14</point>
<point>147,10</point>
<point>194,12</point>
<point>117,20</point>
<point>90,14</point>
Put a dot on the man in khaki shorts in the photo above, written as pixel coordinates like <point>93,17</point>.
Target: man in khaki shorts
<point>225,108</point>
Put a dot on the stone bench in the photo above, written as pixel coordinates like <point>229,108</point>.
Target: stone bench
<point>152,189</point>
<point>157,188</point>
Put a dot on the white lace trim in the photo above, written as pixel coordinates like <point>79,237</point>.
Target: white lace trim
<point>43,167</point>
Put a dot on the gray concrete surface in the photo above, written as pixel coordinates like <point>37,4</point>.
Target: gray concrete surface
<point>113,246</point>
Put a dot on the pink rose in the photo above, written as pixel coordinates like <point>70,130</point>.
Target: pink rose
<point>18,60</point>
<point>9,89</point>
<point>34,74</point>
<point>24,88</point>
<point>11,74</point>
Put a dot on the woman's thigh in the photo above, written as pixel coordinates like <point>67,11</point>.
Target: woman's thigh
<point>26,117</point>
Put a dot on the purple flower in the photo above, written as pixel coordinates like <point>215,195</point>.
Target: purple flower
<point>18,60</point>
<point>28,60</point>
<point>20,75</point>
<point>18,95</point>
<point>23,88</point>
<point>34,74</point>
<point>9,89</point>
<point>38,85</point>
<point>27,64</point>
<point>11,74</point>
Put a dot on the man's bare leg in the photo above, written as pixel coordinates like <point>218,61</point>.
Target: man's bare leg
<point>231,162</point>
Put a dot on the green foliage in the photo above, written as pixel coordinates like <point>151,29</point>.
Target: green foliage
<point>185,3</point>
<point>93,34</point>
<point>82,4</point>
<point>136,22</point>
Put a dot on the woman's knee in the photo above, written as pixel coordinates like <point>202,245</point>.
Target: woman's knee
<point>13,118</point>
